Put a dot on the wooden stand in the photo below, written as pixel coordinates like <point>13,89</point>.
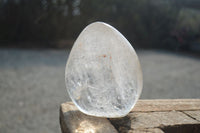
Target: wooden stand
<point>152,116</point>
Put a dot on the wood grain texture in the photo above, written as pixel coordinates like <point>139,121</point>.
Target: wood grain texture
<point>167,105</point>
<point>153,116</point>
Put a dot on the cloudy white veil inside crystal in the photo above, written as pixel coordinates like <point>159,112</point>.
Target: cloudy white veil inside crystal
<point>103,75</point>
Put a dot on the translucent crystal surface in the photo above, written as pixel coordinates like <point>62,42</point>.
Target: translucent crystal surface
<point>103,75</point>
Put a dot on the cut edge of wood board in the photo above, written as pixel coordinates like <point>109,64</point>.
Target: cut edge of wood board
<point>145,105</point>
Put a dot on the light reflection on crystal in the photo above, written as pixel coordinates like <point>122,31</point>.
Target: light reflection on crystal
<point>103,75</point>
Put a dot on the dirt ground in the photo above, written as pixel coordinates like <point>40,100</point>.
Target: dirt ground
<point>32,85</point>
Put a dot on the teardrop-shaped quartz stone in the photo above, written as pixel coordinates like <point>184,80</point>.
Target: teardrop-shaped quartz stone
<point>103,75</point>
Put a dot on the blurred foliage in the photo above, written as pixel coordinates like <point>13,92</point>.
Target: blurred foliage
<point>190,19</point>
<point>145,23</point>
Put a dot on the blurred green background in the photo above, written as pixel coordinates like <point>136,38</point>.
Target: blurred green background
<point>165,24</point>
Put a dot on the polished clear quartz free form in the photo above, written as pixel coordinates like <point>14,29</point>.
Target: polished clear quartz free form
<point>103,75</point>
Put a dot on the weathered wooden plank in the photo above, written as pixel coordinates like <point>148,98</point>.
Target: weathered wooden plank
<point>149,130</point>
<point>167,105</point>
<point>140,120</point>
<point>74,121</point>
<point>153,116</point>
<point>193,114</point>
